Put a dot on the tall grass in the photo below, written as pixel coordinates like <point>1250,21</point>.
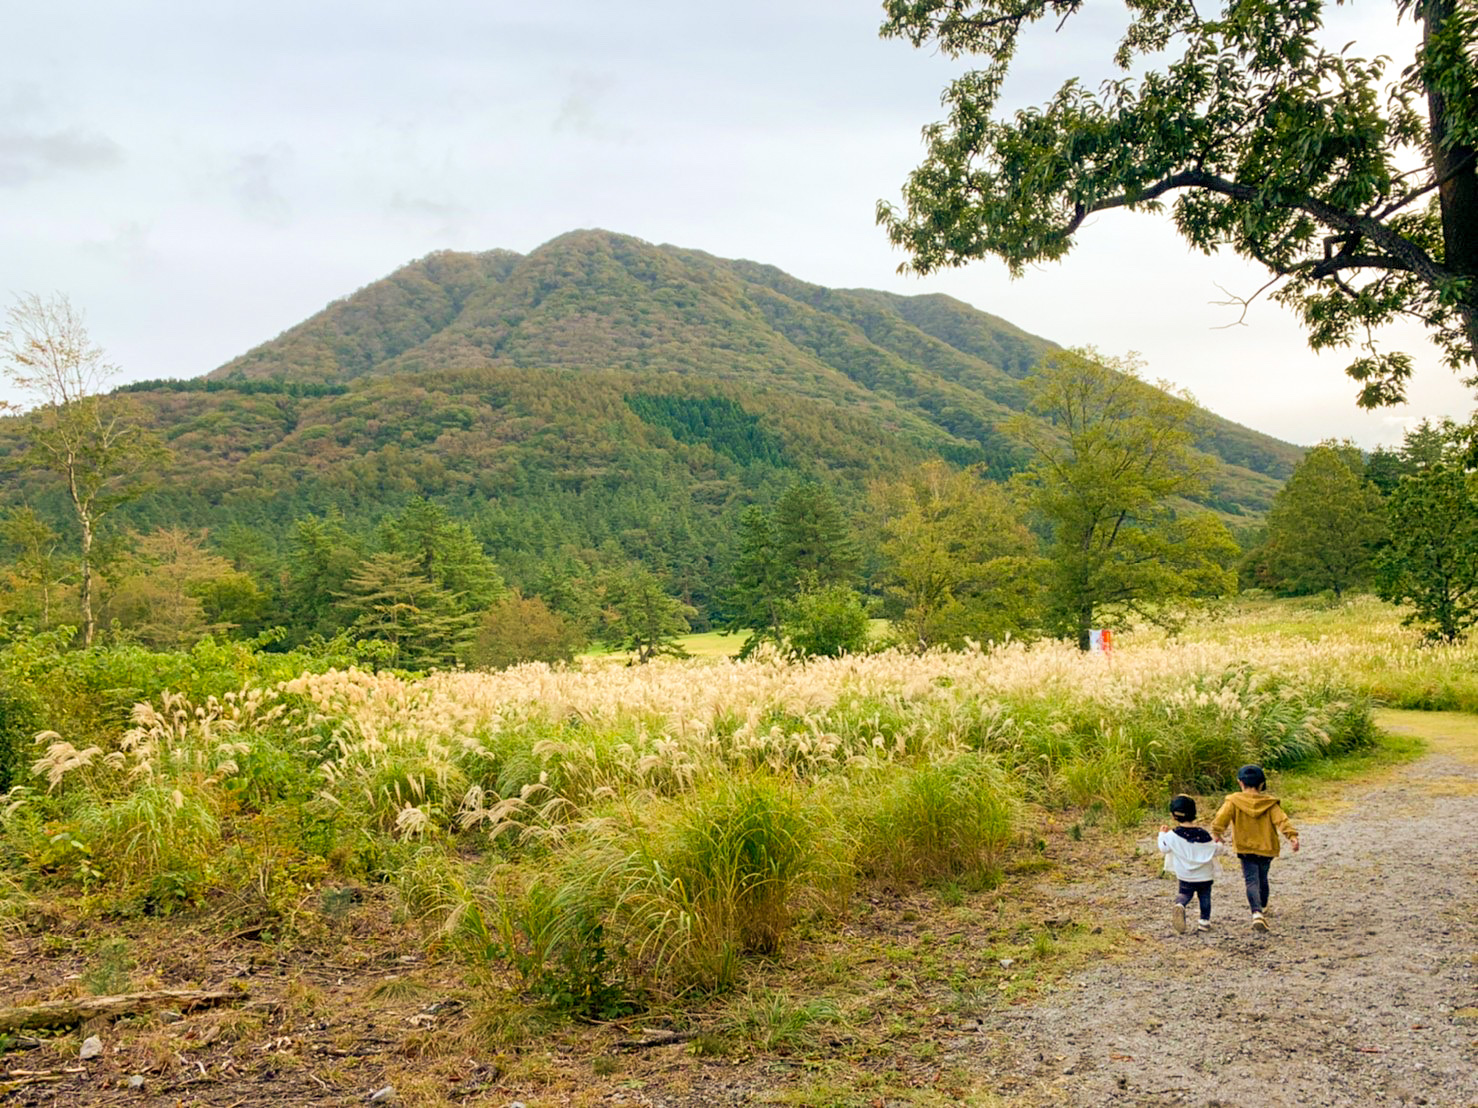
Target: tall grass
<point>938,820</point>
<point>618,833</point>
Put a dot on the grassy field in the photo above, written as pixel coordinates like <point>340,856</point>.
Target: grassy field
<point>807,871</point>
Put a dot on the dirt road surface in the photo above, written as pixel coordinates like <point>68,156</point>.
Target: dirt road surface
<point>1362,993</point>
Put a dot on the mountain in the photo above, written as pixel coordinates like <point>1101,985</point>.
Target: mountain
<point>602,393</point>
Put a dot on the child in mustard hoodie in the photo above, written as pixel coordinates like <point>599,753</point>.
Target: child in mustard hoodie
<point>1255,818</point>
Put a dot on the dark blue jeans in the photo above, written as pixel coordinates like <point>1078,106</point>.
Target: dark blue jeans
<point>1255,873</point>
<point>1201,890</point>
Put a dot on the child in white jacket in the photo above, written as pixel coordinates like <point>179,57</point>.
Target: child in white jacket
<point>1189,853</point>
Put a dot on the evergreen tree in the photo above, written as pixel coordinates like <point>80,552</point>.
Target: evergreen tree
<point>755,598</point>
<point>445,552</point>
<point>805,545</point>
<point>322,556</point>
<point>641,617</point>
<point>568,586</point>
<point>1326,523</point>
<point>388,600</point>
<point>814,544</point>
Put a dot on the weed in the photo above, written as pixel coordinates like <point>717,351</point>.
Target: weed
<point>708,1045</point>
<point>1043,946</point>
<point>397,989</point>
<point>336,902</point>
<point>779,1023</point>
<point>1026,866</point>
<point>504,1020</point>
<point>108,967</point>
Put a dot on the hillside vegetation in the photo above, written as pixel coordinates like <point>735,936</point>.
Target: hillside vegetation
<point>604,389</point>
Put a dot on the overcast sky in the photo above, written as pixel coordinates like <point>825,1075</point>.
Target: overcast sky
<point>198,177</point>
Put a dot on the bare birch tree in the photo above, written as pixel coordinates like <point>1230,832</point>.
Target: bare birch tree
<point>91,439</point>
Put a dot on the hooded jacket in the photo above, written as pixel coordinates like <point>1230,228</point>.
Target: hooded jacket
<point>1188,860</point>
<point>1255,820</point>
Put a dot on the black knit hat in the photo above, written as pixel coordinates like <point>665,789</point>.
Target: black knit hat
<point>1183,808</point>
<point>1252,776</point>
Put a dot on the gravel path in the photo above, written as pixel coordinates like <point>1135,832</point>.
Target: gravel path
<point>1361,994</point>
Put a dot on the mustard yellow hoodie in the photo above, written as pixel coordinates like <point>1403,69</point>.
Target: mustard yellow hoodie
<point>1255,820</point>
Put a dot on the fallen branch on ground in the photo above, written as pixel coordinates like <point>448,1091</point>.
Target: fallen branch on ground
<point>65,1013</point>
<point>8,1087</point>
<point>655,1038</point>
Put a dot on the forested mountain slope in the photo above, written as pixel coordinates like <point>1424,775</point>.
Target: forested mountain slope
<point>601,301</point>
<point>600,393</point>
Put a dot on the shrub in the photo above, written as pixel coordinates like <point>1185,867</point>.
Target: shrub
<point>940,820</point>
<point>20,719</point>
<point>826,623</point>
<point>523,629</point>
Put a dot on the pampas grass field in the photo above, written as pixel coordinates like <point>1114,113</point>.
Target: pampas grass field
<point>616,837</point>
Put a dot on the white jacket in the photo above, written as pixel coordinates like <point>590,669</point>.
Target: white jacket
<point>1188,861</point>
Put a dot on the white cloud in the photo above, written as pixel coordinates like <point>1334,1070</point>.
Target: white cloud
<point>446,218</point>
<point>127,246</point>
<point>253,182</point>
<point>581,109</point>
<point>34,148</point>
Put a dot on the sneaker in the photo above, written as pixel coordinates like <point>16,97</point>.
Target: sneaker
<point>1258,923</point>
<point>1177,918</point>
<point>1203,925</point>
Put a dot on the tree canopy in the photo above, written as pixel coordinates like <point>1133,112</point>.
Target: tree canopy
<point>1355,186</point>
<point>1431,562</point>
<point>1326,523</point>
<point>961,563</point>
<point>1112,458</point>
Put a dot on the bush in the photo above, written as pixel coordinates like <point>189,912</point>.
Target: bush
<point>523,629</point>
<point>20,719</point>
<point>826,623</point>
<point>941,820</point>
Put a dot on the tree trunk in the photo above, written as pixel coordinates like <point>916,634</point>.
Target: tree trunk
<point>1455,167</point>
<point>88,627</point>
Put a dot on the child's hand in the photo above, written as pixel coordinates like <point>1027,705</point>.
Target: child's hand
<point>1295,846</point>
<point>1164,827</point>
